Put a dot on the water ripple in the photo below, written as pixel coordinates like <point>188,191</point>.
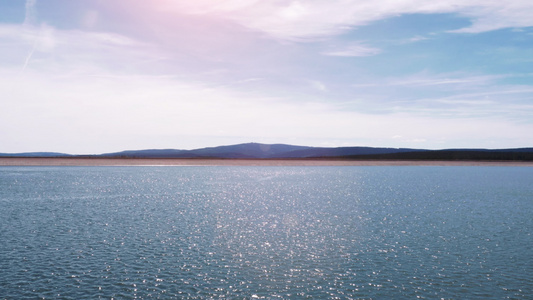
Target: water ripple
<point>266,232</point>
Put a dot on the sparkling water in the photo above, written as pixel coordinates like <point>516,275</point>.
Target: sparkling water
<point>266,232</point>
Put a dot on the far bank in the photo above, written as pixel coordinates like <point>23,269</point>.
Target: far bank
<point>55,161</point>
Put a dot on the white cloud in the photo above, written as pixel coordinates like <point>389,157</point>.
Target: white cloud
<point>494,15</point>
<point>302,20</point>
<point>354,51</point>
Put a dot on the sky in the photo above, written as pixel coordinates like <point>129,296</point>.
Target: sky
<point>99,76</point>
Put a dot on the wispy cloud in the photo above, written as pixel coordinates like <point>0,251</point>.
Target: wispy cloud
<point>28,57</point>
<point>445,80</point>
<point>449,80</point>
<point>71,46</point>
<point>448,95</point>
<point>415,39</point>
<point>29,17</point>
<point>301,20</point>
<point>354,51</point>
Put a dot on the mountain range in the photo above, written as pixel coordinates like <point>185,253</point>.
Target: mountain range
<point>283,151</point>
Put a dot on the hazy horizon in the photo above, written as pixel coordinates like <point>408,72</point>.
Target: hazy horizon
<point>97,76</point>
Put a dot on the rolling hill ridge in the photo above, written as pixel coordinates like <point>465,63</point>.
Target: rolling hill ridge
<point>284,151</point>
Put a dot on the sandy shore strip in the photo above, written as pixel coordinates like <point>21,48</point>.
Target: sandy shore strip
<point>33,161</point>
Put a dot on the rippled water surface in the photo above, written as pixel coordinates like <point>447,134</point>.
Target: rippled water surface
<point>266,232</point>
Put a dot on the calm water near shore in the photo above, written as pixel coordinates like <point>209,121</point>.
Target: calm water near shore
<point>266,232</point>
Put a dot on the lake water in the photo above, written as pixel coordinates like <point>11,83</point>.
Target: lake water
<point>266,232</point>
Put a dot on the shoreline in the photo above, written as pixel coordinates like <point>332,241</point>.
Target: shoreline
<point>56,161</point>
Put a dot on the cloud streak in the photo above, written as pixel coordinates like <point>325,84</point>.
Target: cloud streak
<point>353,51</point>
<point>29,17</point>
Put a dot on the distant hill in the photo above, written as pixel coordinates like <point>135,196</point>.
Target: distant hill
<point>519,154</point>
<point>273,151</point>
<point>317,152</point>
<point>249,150</point>
<point>256,150</point>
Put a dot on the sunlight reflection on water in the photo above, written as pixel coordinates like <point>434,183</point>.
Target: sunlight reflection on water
<point>266,232</point>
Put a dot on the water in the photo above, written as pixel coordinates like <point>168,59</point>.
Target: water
<point>266,232</point>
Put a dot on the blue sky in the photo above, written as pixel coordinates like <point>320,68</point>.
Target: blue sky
<point>97,76</point>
